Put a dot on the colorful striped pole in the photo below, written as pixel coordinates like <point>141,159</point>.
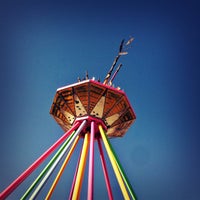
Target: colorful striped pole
<point>29,170</point>
<point>70,140</point>
<point>114,165</point>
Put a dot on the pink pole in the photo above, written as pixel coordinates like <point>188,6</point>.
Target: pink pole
<point>91,164</point>
<point>74,179</point>
<point>110,195</point>
<point>29,170</point>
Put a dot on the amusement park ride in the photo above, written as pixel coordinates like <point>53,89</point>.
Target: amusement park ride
<point>93,112</point>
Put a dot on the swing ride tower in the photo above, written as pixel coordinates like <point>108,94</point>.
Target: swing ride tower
<point>93,112</point>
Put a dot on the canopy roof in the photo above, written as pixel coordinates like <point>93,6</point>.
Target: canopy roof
<point>92,98</point>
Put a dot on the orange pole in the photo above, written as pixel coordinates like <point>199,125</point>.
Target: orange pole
<point>62,168</point>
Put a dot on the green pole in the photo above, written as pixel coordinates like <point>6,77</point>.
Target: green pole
<point>123,174</point>
<point>29,190</point>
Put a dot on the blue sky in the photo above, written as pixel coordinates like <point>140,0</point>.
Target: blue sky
<point>46,45</point>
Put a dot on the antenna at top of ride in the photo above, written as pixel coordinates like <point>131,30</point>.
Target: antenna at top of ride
<point>99,101</point>
<point>124,46</point>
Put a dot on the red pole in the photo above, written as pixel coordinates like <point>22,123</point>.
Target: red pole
<point>103,162</point>
<point>29,170</point>
<point>91,164</point>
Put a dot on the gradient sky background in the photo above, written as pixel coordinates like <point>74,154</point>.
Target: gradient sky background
<point>46,45</point>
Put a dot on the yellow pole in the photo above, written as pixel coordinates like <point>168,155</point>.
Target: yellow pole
<point>62,169</point>
<point>114,165</point>
<point>81,168</point>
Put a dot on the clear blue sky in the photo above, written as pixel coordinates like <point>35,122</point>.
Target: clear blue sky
<point>46,45</point>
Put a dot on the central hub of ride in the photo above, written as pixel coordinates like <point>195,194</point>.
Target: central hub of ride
<point>90,98</point>
<point>87,128</point>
